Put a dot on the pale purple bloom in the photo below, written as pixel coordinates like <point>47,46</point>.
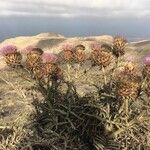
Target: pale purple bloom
<point>28,49</point>
<point>49,57</point>
<point>146,60</point>
<point>67,47</point>
<point>7,49</point>
<point>96,46</point>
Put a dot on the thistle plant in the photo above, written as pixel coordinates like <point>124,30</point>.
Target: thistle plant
<point>130,69</point>
<point>119,46</point>
<point>79,54</point>
<point>11,55</point>
<point>96,47</point>
<point>33,57</point>
<point>102,56</point>
<point>67,53</point>
<point>128,88</point>
<point>38,72</point>
<point>50,63</point>
<point>79,57</point>
<point>68,57</point>
<point>47,73</point>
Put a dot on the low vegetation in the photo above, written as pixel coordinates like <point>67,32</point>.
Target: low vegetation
<point>115,116</point>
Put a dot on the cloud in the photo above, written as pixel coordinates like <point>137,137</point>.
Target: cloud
<point>76,8</point>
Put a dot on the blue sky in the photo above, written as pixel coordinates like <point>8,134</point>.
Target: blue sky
<point>75,17</point>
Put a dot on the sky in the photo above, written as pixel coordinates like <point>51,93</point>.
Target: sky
<point>130,18</point>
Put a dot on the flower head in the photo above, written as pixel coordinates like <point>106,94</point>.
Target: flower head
<point>28,49</point>
<point>146,68</point>
<point>67,47</point>
<point>119,44</point>
<point>130,69</point>
<point>146,60</point>
<point>96,46</point>
<point>128,87</point>
<point>8,49</point>
<point>67,51</point>
<point>49,57</point>
<point>79,47</point>
<point>32,48</point>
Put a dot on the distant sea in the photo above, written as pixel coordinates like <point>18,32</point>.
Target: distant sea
<point>137,39</point>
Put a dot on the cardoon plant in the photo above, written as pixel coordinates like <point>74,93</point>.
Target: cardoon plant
<point>12,56</point>
<point>102,56</point>
<point>8,49</point>
<point>127,91</point>
<point>68,57</point>
<point>96,47</point>
<point>119,46</point>
<point>68,53</point>
<point>33,56</point>
<point>129,69</point>
<point>79,53</point>
<point>79,57</point>
<point>51,68</point>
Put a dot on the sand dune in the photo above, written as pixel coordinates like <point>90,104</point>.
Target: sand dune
<point>53,42</point>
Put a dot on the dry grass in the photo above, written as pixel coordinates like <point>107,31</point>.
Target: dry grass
<point>82,113</point>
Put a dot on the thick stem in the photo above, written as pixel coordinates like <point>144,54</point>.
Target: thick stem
<point>77,70</point>
<point>68,71</point>
<point>104,75</point>
<point>126,102</point>
<point>108,110</point>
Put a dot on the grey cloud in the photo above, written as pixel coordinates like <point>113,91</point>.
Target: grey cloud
<point>75,8</point>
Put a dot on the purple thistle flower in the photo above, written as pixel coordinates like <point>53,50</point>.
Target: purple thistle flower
<point>49,57</point>
<point>146,60</point>
<point>67,47</point>
<point>96,46</point>
<point>8,49</point>
<point>28,49</point>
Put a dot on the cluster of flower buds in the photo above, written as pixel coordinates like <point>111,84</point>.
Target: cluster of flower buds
<point>127,87</point>
<point>129,69</point>
<point>12,56</point>
<point>96,47</point>
<point>33,57</point>
<point>128,81</point>
<point>79,53</point>
<point>48,67</point>
<point>74,53</point>
<point>119,46</point>
<point>101,54</point>
<point>68,53</point>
